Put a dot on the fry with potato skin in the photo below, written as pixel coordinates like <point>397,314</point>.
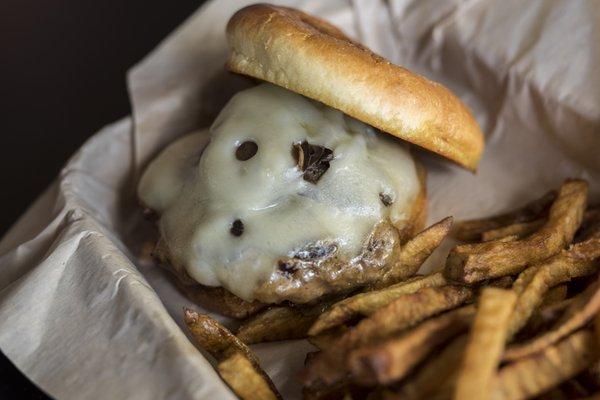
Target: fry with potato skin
<point>473,229</point>
<point>278,323</point>
<point>519,229</point>
<point>410,309</point>
<point>404,312</point>
<point>239,374</point>
<point>578,261</point>
<point>580,312</point>
<point>391,360</point>
<point>365,304</point>
<point>525,277</point>
<point>539,372</point>
<point>222,345</point>
<point>215,338</point>
<point>414,253</point>
<point>472,263</point>
<point>488,333</point>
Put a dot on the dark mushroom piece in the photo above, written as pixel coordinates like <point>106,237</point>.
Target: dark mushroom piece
<point>312,159</point>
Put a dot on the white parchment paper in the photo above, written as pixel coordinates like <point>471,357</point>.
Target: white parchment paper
<point>83,317</point>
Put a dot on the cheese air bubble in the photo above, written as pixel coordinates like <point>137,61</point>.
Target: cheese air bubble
<point>274,174</point>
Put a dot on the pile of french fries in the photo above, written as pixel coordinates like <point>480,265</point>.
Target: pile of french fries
<point>513,314</point>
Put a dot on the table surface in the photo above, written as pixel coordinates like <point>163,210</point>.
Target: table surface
<point>63,77</point>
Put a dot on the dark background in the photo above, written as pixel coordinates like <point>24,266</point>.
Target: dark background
<point>62,77</point>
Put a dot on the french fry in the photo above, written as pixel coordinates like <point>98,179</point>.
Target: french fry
<point>278,323</point>
<point>241,376</point>
<point>213,337</point>
<point>365,304</point>
<point>408,310</point>
<point>405,344</point>
<point>539,372</point>
<point>489,334</point>
<point>393,359</point>
<point>220,343</point>
<point>472,230</point>
<point>404,312</point>
<point>578,261</point>
<point>525,278</point>
<point>519,229</point>
<point>583,308</point>
<point>430,377</point>
<point>414,253</point>
<point>472,263</point>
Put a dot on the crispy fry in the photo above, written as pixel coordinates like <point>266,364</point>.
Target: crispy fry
<point>364,304</point>
<point>486,344</point>
<point>519,229</point>
<point>278,323</point>
<point>579,313</point>
<point>222,345</point>
<point>410,309</point>
<point>430,377</point>
<point>215,338</point>
<point>414,253</point>
<point>402,313</point>
<point>472,263</point>
<point>575,262</point>
<point>241,376</point>
<point>539,372</point>
<point>391,360</point>
<point>525,277</point>
<point>473,229</point>
<point>400,350</point>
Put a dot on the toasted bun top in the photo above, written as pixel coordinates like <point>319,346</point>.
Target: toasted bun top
<point>309,56</point>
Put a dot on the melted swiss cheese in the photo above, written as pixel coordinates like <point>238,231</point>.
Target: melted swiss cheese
<point>199,188</point>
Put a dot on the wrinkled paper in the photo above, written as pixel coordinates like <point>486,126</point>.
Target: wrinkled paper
<point>84,317</point>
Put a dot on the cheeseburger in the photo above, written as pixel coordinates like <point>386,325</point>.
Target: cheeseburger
<point>304,186</point>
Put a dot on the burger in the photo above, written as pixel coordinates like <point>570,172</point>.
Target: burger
<point>304,187</point>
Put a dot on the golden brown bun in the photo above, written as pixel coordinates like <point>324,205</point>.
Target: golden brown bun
<point>309,56</point>
<point>222,301</point>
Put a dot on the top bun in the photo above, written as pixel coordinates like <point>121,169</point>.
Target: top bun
<point>309,56</point>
